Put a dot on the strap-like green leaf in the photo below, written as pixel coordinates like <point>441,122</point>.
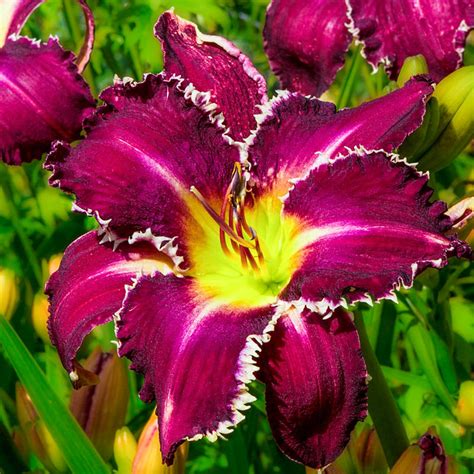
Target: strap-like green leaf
<point>78,451</point>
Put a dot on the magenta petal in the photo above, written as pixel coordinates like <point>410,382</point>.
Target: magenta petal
<point>392,30</point>
<point>13,16</point>
<point>42,98</point>
<point>15,13</point>
<point>370,228</point>
<point>305,42</point>
<point>316,385</point>
<point>143,152</point>
<point>297,129</point>
<point>213,64</point>
<point>89,287</point>
<point>196,355</point>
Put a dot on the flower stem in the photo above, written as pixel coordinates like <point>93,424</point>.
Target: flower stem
<point>382,406</point>
<point>349,80</point>
<point>17,225</point>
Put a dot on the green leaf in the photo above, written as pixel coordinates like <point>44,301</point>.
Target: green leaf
<point>463,318</point>
<point>420,339</point>
<point>76,448</point>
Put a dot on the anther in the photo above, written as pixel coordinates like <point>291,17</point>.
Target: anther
<point>220,222</point>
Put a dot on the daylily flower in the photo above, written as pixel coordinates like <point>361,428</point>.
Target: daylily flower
<point>306,40</point>
<point>221,243</point>
<point>43,97</point>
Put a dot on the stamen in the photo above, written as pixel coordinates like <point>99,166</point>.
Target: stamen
<point>246,227</point>
<point>251,260</point>
<point>232,222</point>
<point>220,222</point>
<point>222,238</point>
<point>261,258</point>
<point>232,226</point>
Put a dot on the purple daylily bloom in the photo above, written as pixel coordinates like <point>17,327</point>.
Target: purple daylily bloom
<point>43,97</point>
<point>220,243</point>
<point>306,40</point>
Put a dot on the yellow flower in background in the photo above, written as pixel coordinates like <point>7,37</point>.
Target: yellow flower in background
<point>125,448</point>
<point>465,406</point>
<point>148,457</point>
<point>39,311</point>
<point>39,316</point>
<point>39,439</point>
<point>9,293</point>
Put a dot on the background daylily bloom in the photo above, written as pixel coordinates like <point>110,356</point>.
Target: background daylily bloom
<point>427,455</point>
<point>220,244</point>
<point>43,97</point>
<point>306,40</point>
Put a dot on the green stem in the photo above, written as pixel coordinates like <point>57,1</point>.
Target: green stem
<point>373,331</point>
<point>348,84</point>
<point>406,378</point>
<point>24,240</point>
<point>382,406</point>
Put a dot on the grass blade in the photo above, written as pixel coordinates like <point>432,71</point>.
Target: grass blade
<point>78,451</point>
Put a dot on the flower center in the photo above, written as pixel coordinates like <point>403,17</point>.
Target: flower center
<point>233,224</point>
<point>249,257</point>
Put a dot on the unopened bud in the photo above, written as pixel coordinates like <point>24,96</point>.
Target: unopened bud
<point>39,439</point>
<point>21,443</point>
<point>454,96</point>
<point>39,316</point>
<point>125,448</point>
<point>9,293</point>
<point>426,456</point>
<point>148,457</point>
<point>54,262</point>
<point>412,66</point>
<point>462,217</point>
<point>101,409</point>
<point>465,406</point>
<point>369,452</point>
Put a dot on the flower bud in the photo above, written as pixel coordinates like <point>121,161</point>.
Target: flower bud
<point>125,448</point>
<point>21,443</point>
<point>54,262</point>
<point>462,217</point>
<point>148,457</point>
<point>369,452</point>
<point>454,96</point>
<point>101,409</point>
<point>412,66</point>
<point>39,439</point>
<point>363,454</point>
<point>39,316</point>
<point>465,406</point>
<point>9,294</point>
<point>426,456</point>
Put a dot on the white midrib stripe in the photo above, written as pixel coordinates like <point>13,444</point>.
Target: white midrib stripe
<point>177,185</point>
<point>314,234</point>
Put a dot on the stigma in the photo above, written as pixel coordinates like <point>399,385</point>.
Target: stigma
<point>233,227</point>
